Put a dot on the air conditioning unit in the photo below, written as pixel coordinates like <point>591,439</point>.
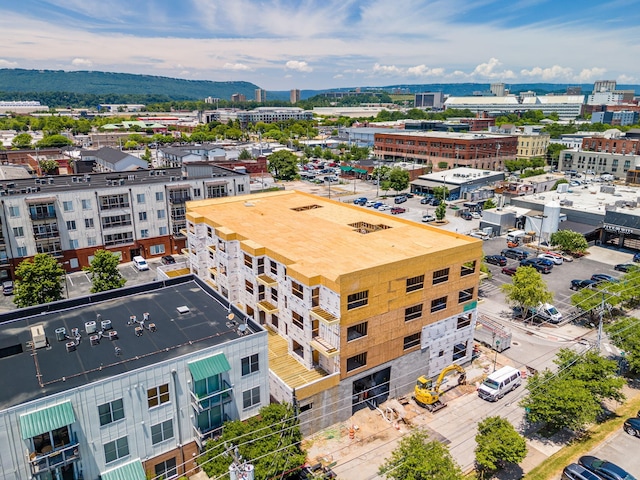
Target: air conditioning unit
<point>90,327</point>
<point>112,335</point>
<point>38,337</point>
<point>106,324</point>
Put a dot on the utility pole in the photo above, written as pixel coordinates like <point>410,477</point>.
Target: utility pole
<point>239,469</point>
<point>599,340</point>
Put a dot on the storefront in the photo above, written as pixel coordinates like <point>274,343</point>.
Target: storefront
<point>621,230</point>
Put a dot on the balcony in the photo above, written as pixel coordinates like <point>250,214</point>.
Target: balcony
<point>60,457</point>
<point>202,435</point>
<point>324,347</point>
<point>200,404</point>
<point>266,281</point>
<point>46,232</point>
<point>267,307</point>
<point>42,215</point>
<point>179,199</point>
<point>323,316</point>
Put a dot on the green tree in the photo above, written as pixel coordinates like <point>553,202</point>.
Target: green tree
<point>385,186</point>
<point>245,155</point>
<point>54,141</point>
<point>442,165</point>
<point>399,179</point>
<point>526,290</point>
<point>48,166</point>
<point>625,334</point>
<point>441,211</point>
<point>441,193</point>
<point>569,241</point>
<point>130,145</point>
<point>146,156</point>
<point>283,165</point>
<point>270,441</point>
<point>381,173</point>
<point>417,458</point>
<point>562,180</point>
<point>22,140</point>
<point>498,443</point>
<point>38,280</point>
<point>104,272</point>
<point>489,203</point>
<point>553,152</point>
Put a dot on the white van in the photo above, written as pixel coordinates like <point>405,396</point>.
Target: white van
<point>140,263</point>
<point>515,236</point>
<point>500,382</point>
<point>548,312</point>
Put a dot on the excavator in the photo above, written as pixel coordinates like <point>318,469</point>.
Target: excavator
<point>428,396</point>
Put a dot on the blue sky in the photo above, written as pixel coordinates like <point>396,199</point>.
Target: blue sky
<point>313,44</point>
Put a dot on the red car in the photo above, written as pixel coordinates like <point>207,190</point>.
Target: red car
<point>396,210</point>
<point>509,270</point>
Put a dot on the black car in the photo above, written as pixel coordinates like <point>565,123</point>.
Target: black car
<point>496,260</point>
<point>605,469</point>
<point>578,472</point>
<point>632,426</point>
<point>514,253</point>
<point>536,263</point>
<point>602,277</point>
<point>168,260</point>
<point>580,284</point>
<point>435,202</point>
<point>636,257</point>
<point>625,267</point>
<point>425,201</point>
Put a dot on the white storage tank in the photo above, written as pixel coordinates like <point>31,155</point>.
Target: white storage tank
<point>552,219</point>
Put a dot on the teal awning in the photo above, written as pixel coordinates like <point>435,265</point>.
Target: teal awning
<point>209,367</point>
<point>346,168</point>
<point>128,471</point>
<point>470,306</point>
<point>359,170</point>
<point>46,420</point>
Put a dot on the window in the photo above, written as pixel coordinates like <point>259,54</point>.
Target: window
<point>240,188</point>
<point>21,251</point>
<point>140,197</point>
<point>357,331</point>
<point>297,289</point>
<point>248,261</point>
<point>250,364</point>
<point>142,216</point>
<point>163,231</point>
<point>86,204</point>
<point>161,432</point>
<point>248,286</point>
<point>197,192</point>
<point>144,233</point>
<point>166,469</point>
<point>159,196</point>
<point>91,241</point>
<point>71,224</point>
<point>274,295</point>
<point>117,449</point>
<point>274,267</point>
<point>88,223</point>
<point>67,206</point>
<point>14,211</point>
<point>415,283</point>
<point>298,320</point>
<point>18,232</point>
<point>468,268</point>
<point>463,322</point>
<point>356,300</point>
<point>156,249</point>
<point>438,304</point>
<point>251,397</point>
<point>411,313</point>
<point>73,244</point>
<point>158,395</point>
<point>440,276</point>
<point>110,412</point>
<point>465,295</point>
<point>162,213</point>
<point>356,361</point>
<point>412,341</point>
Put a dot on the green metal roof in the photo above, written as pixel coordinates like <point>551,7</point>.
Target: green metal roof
<point>346,168</point>
<point>209,367</point>
<point>359,170</point>
<point>128,471</point>
<point>46,419</point>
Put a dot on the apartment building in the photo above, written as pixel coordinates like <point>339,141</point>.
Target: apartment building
<point>132,213</point>
<point>531,146</point>
<point>612,144</point>
<point>357,303</point>
<point>597,163</point>
<point>127,384</point>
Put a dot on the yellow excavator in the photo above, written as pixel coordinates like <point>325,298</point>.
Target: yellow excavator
<point>428,396</point>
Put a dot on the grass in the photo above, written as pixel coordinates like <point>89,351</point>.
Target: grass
<point>552,467</point>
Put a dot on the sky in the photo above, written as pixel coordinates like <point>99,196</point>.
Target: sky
<point>324,44</point>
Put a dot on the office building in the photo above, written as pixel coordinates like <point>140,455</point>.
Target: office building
<point>433,100</point>
<point>599,162</point>
<point>497,89</point>
<point>568,107</point>
<point>260,95</point>
<point>357,303</point>
<point>532,145</point>
<point>604,86</point>
<point>294,96</point>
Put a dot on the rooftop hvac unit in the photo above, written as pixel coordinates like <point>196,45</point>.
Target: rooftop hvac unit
<point>71,346</point>
<point>106,324</point>
<point>94,339</point>
<point>61,334</point>
<point>38,337</point>
<point>568,203</point>
<point>90,327</point>
<point>75,332</point>
<point>112,335</point>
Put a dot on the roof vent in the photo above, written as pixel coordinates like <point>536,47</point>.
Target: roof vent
<point>71,347</point>
<point>94,339</point>
<point>183,309</point>
<point>38,337</point>
<point>106,324</point>
<point>112,335</point>
<point>61,334</point>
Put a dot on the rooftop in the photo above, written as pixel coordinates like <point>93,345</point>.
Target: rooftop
<point>446,135</point>
<point>26,376</point>
<point>318,236</point>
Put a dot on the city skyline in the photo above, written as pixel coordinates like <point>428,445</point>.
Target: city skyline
<point>284,44</point>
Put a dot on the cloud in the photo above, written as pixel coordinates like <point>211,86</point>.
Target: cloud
<point>550,73</point>
<point>424,71</point>
<point>589,74</point>
<point>236,66</point>
<point>386,69</point>
<point>338,75</point>
<point>81,62</point>
<point>626,79</point>
<point>488,70</point>
<point>299,66</point>
<point>7,64</point>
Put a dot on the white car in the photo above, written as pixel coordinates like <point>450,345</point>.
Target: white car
<point>384,206</point>
<point>554,258</point>
<point>140,263</point>
<point>370,203</point>
<point>428,218</point>
<point>475,215</point>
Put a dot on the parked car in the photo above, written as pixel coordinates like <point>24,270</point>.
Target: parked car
<point>604,468</point>
<point>400,199</point>
<point>636,257</point>
<point>466,215</point>
<point>632,426</point>
<point>625,267</point>
<point>377,204</point>
<point>370,203</point>
<point>537,264</point>
<point>544,261</point>
<point>428,218</point>
<point>479,234</point>
<point>515,253</point>
<point>496,260</point>
<point>168,260</point>
<point>564,258</point>
<point>409,195</point>
<point>7,287</point>
<point>580,284</point>
<point>426,200</point>
<point>509,270</point>
<point>384,207</point>
<point>435,202</point>
<point>140,263</point>
<point>360,201</point>
<point>553,258</point>
<point>476,215</point>
<point>578,472</point>
<point>601,277</point>
<point>397,210</point>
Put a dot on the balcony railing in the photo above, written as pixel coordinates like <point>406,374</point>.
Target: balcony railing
<point>324,316</point>
<point>201,436</point>
<point>44,462</point>
<point>200,404</point>
<point>42,215</point>
<point>179,199</point>
<point>324,347</point>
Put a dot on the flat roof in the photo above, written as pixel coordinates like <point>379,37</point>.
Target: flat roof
<point>176,334</point>
<point>323,237</point>
<point>447,135</point>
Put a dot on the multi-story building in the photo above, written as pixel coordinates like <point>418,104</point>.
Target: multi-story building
<point>132,213</point>
<point>604,86</point>
<point>433,100</point>
<point>612,144</point>
<point>530,146</point>
<point>497,89</point>
<point>485,151</point>
<point>583,161</point>
<point>294,96</point>
<point>260,95</point>
<point>108,159</point>
<point>125,385</point>
<point>260,114</point>
<point>566,107</point>
<point>620,117</point>
<point>358,304</point>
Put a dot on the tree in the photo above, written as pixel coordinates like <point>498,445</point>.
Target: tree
<point>498,443</point>
<point>442,165</point>
<point>38,281</point>
<point>385,186</point>
<point>441,211</point>
<point>48,166</point>
<point>416,458</point>
<point>270,441</point>
<point>527,289</point>
<point>104,272</point>
<point>625,334</point>
<point>283,165</point>
<point>441,192</point>
<point>54,141</point>
<point>146,156</point>
<point>489,203</point>
<point>245,155</point>
<point>22,140</point>
<point>399,179</point>
<point>569,241</point>
<point>553,153</point>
